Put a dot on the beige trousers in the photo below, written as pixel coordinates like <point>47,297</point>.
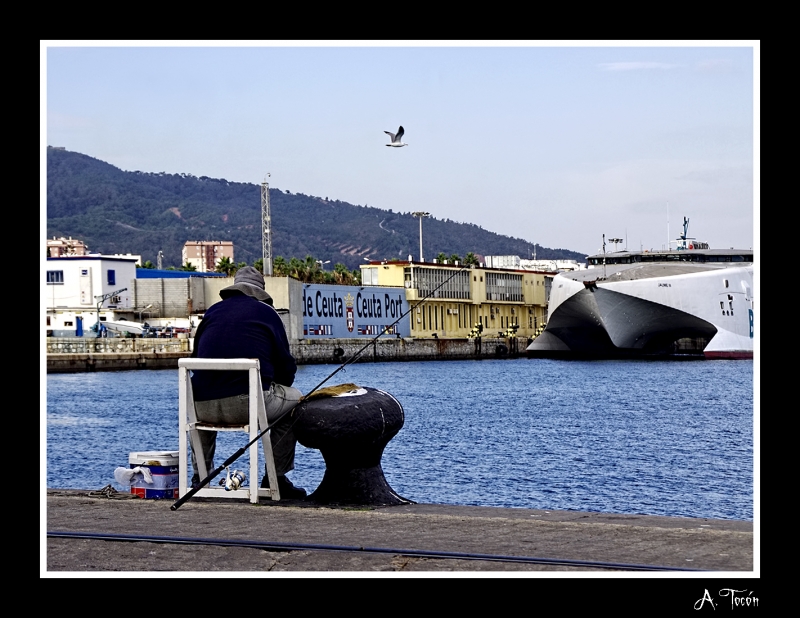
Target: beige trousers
<point>236,411</point>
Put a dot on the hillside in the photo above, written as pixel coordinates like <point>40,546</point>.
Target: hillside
<point>114,211</point>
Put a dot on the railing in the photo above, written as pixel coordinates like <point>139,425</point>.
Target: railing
<point>115,345</point>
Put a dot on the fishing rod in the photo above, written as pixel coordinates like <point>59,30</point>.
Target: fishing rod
<point>269,426</point>
<point>387,328</point>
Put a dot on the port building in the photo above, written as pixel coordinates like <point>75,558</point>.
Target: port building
<point>500,301</point>
<point>459,301</point>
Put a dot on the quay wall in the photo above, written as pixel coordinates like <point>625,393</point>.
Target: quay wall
<point>116,345</point>
<point>111,361</point>
<point>74,354</point>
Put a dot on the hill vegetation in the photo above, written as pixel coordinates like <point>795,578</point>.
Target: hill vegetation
<point>114,211</point>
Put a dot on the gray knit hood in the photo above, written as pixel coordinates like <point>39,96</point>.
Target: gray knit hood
<point>250,282</point>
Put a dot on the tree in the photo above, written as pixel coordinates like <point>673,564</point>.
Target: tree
<point>259,265</point>
<point>313,273</point>
<point>340,273</point>
<point>454,258</point>
<point>225,266</point>
<point>188,267</point>
<point>280,267</point>
<point>343,276</point>
<point>296,269</point>
<point>471,260</point>
<point>441,258</point>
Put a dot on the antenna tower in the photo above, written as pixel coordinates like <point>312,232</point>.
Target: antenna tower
<point>266,229</point>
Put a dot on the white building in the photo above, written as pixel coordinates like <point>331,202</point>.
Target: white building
<point>502,261</point>
<point>137,258</point>
<point>516,262</point>
<point>80,289</point>
<point>552,265</point>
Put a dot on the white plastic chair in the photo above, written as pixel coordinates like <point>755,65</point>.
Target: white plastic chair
<point>189,426</point>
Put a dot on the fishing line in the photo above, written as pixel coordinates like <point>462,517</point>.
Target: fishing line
<point>352,359</point>
<point>416,553</point>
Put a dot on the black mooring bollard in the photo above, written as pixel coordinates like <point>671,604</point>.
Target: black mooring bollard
<point>351,430</point>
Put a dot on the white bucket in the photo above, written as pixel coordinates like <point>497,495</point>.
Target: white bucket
<point>163,466</point>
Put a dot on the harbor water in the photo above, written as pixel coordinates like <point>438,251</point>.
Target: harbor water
<point>672,438</point>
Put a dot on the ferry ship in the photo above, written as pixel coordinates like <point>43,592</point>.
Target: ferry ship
<point>691,302</point>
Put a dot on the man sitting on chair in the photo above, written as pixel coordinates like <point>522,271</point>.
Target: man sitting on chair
<point>245,325</point>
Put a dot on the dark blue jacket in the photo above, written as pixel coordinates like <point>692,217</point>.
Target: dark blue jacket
<point>241,327</point>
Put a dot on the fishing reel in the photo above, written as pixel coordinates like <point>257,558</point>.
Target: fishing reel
<point>233,481</point>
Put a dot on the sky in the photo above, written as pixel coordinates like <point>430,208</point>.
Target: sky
<point>557,143</point>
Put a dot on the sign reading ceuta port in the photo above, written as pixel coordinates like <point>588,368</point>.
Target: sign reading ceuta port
<point>343,311</point>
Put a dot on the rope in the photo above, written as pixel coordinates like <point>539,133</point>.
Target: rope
<point>331,391</point>
<point>109,492</point>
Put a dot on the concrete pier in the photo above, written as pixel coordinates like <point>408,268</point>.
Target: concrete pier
<point>294,535</point>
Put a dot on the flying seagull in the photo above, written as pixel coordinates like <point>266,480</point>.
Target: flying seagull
<point>396,143</point>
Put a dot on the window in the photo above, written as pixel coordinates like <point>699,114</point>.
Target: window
<point>112,277</point>
<point>503,286</point>
<point>369,276</point>
<point>441,283</point>
<point>55,277</point>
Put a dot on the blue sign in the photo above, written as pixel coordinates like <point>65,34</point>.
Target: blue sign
<point>344,311</point>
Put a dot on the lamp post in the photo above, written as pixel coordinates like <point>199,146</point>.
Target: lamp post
<point>101,298</point>
<point>421,215</point>
<point>143,309</point>
<point>604,256</point>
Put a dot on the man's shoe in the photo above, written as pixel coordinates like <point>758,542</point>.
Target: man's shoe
<point>286,488</point>
<point>290,491</point>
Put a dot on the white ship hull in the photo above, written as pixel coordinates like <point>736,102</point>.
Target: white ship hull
<point>658,309</point>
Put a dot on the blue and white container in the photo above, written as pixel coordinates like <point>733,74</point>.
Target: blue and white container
<point>163,466</point>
